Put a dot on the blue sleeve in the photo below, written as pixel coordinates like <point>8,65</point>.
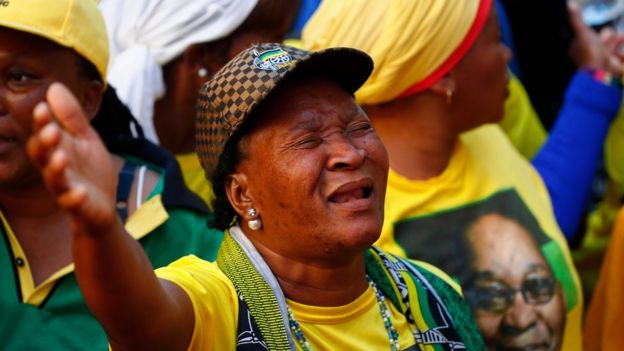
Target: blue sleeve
<point>568,161</point>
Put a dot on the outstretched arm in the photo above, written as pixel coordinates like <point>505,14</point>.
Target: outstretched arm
<point>571,155</point>
<point>137,310</point>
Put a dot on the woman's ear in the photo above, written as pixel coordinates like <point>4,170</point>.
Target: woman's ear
<point>237,190</point>
<point>92,98</point>
<point>201,61</point>
<point>444,86</point>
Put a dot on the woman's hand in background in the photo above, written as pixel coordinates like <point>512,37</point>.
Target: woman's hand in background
<point>595,50</point>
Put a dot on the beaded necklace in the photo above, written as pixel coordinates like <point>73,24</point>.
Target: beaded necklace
<point>393,335</point>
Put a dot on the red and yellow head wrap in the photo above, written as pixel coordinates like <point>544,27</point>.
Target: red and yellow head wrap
<point>413,42</point>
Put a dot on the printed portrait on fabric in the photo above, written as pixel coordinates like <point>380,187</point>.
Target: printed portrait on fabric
<point>501,257</point>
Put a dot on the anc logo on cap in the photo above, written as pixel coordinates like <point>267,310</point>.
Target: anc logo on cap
<point>272,60</point>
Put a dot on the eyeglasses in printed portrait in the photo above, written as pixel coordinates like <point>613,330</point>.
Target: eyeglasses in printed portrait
<point>495,249</point>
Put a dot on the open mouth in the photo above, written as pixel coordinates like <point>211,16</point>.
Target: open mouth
<point>6,141</point>
<point>347,195</point>
<point>525,342</point>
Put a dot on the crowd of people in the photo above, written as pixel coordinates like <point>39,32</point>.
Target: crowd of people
<point>303,175</point>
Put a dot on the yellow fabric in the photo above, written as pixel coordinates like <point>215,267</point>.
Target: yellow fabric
<point>483,163</point>
<point>294,42</point>
<point>146,218</point>
<point>599,223</point>
<point>76,24</point>
<point>605,317</point>
<point>407,39</point>
<point>143,221</point>
<point>614,151</point>
<point>215,305</point>
<point>31,294</point>
<point>195,178</point>
<point>589,256</point>
<point>214,299</point>
<point>521,123</point>
<point>326,327</point>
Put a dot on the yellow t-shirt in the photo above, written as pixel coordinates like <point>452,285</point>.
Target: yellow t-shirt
<point>195,178</point>
<point>429,220</point>
<point>214,299</point>
<point>215,306</point>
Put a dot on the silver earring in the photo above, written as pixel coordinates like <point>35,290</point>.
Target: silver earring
<point>202,72</point>
<point>251,212</point>
<point>255,223</point>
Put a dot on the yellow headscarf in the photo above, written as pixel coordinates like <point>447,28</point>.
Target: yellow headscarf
<point>413,42</point>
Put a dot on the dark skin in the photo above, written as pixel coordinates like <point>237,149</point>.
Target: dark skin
<point>41,227</point>
<point>174,113</point>
<point>318,143</point>
<point>323,145</point>
<point>422,130</point>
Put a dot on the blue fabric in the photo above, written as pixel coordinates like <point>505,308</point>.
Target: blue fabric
<point>568,161</point>
<point>305,12</point>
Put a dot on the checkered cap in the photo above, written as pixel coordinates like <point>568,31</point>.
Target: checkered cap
<point>232,94</point>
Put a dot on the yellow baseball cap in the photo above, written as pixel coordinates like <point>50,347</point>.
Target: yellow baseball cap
<point>76,24</point>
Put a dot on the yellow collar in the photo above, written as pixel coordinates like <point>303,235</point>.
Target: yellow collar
<point>142,222</point>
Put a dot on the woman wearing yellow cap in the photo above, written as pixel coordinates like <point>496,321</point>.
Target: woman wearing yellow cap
<point>41,305</point>
<point>440,71</point>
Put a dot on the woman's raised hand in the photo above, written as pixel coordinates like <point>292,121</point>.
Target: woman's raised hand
<point>592,49</point>
<point>115,276</point>
<point>74,162</point>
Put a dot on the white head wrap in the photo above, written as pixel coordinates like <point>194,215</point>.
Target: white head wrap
<point>147,34</point>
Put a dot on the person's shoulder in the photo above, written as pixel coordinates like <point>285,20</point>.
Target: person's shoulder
<point>194,273</point>
<point>213,297</point>
<point>491,153</point>
<point>203,282</point>
<point>422,273</point>
<point>486,140</point>
<point>194,264</point>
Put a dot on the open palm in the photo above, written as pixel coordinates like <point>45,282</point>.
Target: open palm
<point>74,162</point>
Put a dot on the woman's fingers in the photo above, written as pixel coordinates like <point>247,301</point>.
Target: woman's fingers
<point>54,172</point>
<point>44,145</point>
<point>67,110</point>
<point>73,199</point>
<point>74,163</point>
<point>43,142</point>
<point>41,116</point>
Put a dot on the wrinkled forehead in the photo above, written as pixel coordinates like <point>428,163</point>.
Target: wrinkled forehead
<point>496,240</point>
<point>306,102</point>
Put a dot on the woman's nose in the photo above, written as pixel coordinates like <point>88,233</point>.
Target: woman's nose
<point>507,53</point>
<point>344,154</point>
